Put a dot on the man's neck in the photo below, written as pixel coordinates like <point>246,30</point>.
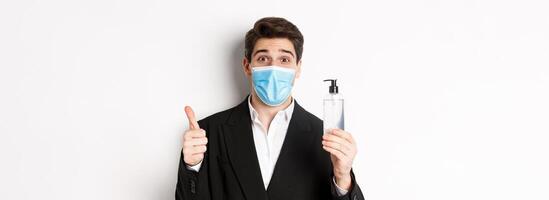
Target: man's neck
<point>267,113</point>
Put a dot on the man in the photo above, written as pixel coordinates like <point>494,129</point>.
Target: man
<point>268,147</point>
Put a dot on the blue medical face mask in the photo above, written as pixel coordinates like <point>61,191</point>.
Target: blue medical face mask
<point>273,84</point>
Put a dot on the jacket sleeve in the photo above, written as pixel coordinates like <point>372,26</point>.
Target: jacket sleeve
<point>354,194</point>
<point>192,185</point>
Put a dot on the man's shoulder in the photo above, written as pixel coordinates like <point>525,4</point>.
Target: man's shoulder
<point>310,116</point>
<point>218,117</point>
<point>241,109</point>
<point>224,116</point>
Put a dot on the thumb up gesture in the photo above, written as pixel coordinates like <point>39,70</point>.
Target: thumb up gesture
<point>194,140</point>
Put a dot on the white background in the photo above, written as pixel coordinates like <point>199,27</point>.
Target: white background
<point>447,99</point>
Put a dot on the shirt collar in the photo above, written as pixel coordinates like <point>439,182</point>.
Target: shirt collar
<point>286,112</point>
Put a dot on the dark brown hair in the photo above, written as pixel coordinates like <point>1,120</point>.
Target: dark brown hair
<point>273,27</point>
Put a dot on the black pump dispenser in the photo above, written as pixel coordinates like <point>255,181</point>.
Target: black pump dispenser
<point>333,89</point>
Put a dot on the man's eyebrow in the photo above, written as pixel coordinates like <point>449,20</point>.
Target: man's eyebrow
<point>259,51</point>
<point>265,51</point>
<point>286,51</point>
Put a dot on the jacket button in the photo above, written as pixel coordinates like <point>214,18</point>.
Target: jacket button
<point>193,186</point>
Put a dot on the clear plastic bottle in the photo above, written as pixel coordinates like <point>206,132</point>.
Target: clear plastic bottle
<point>333,108</point>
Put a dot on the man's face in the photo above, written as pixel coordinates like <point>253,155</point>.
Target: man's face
<point>272,51</point>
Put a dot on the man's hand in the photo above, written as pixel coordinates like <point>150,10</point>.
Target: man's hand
<point>342,149</point>
<point>194,140</point>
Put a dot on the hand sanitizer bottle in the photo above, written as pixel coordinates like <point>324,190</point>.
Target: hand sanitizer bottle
<point>333,108</point>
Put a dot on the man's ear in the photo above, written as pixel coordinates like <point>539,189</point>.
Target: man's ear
<point>298,69</point>
<point>246,67</point>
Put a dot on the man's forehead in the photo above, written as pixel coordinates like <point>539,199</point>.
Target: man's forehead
<point>274,44</point>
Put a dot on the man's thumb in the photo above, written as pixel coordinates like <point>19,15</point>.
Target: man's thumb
<point>193,124</point>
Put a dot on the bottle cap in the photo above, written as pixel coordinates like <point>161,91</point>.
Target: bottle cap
<point>333,89</point>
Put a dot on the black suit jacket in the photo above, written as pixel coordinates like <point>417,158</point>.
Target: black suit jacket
<point>230,169</point>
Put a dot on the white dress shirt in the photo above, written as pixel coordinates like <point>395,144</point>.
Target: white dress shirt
<point>268,143</point>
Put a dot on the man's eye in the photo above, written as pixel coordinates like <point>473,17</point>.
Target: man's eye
<point>262,58</point>
<point>285,60</point>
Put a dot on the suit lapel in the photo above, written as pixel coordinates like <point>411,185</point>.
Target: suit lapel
<point>242,153</point>
<point>297,137</point>
<point>243,156</point>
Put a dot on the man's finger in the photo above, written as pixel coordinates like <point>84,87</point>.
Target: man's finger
<point>197,149</point>
<point>193,124</point>
<point>198,133</point>
<point>343,135</point>
<point>337,139</point>
<point>343,149</point>
<point>197,141</point>
<point>338,154</point>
